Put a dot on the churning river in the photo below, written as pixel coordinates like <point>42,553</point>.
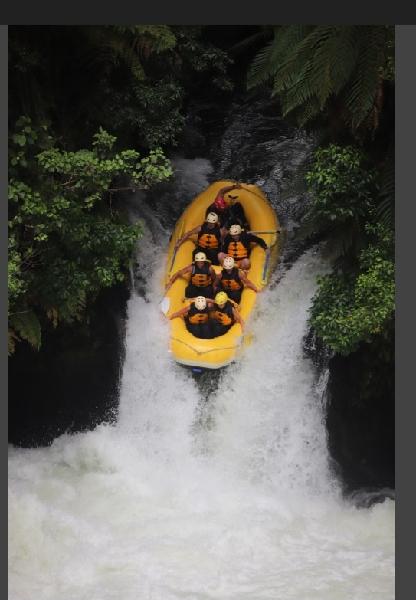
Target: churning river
<point>197,494</point>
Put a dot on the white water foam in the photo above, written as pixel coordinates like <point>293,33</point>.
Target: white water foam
<point>229,498</point>
<point>144,510</point>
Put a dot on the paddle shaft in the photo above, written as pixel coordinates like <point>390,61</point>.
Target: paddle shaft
<point>271,232</point>
<point>173,260</point>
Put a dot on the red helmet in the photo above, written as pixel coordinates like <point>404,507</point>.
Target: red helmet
<point>220,203</point>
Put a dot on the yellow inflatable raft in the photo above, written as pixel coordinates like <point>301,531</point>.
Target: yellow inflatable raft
<point>220,351</point>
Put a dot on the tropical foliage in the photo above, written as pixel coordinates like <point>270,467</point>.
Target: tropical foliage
<point>134,80</point>
<point>316,69</point>
<point>355,303</point>
<point>344,190</point>
<point>66,239</point>
<point>339,80</point>
<point>351,308</point>
<point>342,186</point>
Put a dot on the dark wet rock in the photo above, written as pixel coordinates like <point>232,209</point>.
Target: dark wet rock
<point>360,428</point>
<point>367,497</point>
<point>72,383</point>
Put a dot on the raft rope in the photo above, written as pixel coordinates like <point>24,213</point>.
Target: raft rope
<point>200,352</point>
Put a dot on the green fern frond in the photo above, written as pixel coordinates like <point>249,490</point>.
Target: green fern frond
<point>261,68</point>
<point>332,63</point>
<point>269,60</point>
<point>310,64</point>
<point>300,92</point>
<point>110,48</point>
<point>306,72</point>
<point>287,38</point>
<point>27,327</point>
<point>384,212</point>
<point>344,57</point>
<point>362,93</point>
<point>303,51</point>
<point>11,342</point>
<point>158,38</point>
<point>307,112</point>
<point>74,308</point>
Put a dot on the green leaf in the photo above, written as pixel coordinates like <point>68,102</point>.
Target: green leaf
<point>27,326</point>
<point>20,139</point>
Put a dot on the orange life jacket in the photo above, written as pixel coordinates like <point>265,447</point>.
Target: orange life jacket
<point>201,277</point>
<point>223,315</point>
<point>209,238</point>
<point>230,280</point>
<point>237,250</point>
<point>196,316</point>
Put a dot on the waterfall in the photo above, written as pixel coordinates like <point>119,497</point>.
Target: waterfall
<point>226,494</point>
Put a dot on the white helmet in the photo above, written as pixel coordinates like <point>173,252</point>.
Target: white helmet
<point>235,230</point>
<point>200,302</point>
<point>228,262</point>
<point>200,256</point>
<point>212,217</point>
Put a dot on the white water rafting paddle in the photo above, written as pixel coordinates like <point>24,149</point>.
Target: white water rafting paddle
<point>271,232</point>
<point>164,305</point>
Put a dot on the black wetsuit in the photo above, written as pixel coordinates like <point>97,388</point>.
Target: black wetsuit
<point>222,318</point>
<point>201,283</point>
<point>198,323</point>
<point>231,283</point>
<point>209,242</point>
<point>241,249</point>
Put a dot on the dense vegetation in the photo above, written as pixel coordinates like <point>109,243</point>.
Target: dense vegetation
<point>336,72</point>
<point>340,80</point>
<point>356,302</point>
<point>65,241</point>
<point>134,81</point>
<point>70,90</point>
<point>95,109</point>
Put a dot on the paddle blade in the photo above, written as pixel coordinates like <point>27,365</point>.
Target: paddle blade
<point>165,305</point>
